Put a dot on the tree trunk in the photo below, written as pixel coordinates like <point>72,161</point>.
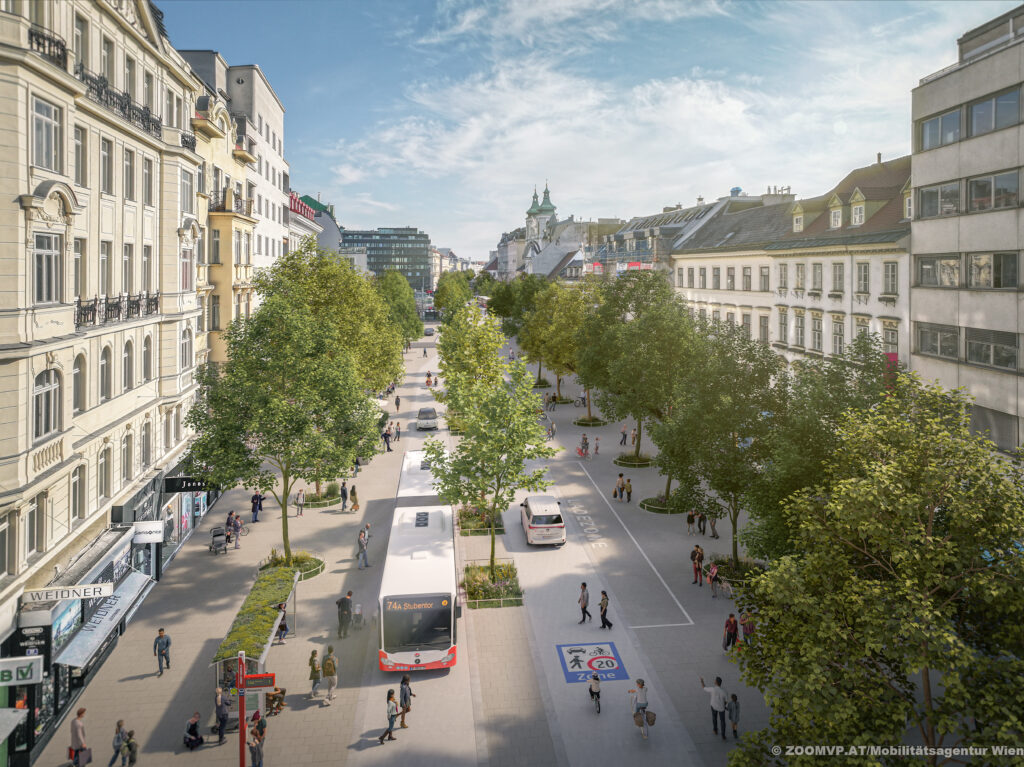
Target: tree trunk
<point>286,486</point>
<point>639,436</point>
<point>668,487</point>
<point>929,726</point>
<point>540,364</point>
<point>318,487</point>
<point>734,516</point>
<point>589,414</point>
<point>493,565</point>
<point>558,386</point>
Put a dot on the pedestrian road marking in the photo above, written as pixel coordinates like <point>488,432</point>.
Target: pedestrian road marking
<point>581,661</point>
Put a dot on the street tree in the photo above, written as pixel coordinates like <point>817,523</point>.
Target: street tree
<point>898,614</point>
<point>714,439</point>
<point>512,301</point>
<point>400,300</point>
<point>501,434</point>
<point>286,405</point>
<point>536,329</point>
<point>452,293</point>
<point>469,351</point>
<point>483,284</point>
<point>341,297</point>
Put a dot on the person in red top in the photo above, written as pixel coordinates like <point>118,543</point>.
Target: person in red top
<point>731,630</point>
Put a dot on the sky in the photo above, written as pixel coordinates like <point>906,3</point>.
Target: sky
<point>444,114</point>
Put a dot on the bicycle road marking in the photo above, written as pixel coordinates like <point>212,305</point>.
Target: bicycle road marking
<point>582,660</point>
<point>639,547</point>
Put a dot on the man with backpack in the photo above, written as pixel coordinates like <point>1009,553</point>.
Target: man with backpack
<point>330,673</point>
<point>344,615</point>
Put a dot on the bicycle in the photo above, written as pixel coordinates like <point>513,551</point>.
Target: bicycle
<point>584,454</point>
<point>243,530</point>
<point>580,401</point>
<point>595,695</point>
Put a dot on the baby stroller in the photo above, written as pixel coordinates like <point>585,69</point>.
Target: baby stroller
<point>218,540</point>
<point>357,617</point>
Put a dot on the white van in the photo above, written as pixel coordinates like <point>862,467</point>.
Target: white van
<point>426,418</point>
<point>542,520</point>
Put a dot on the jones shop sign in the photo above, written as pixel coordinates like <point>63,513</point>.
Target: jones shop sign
<point>17,671</point>
<point>184,484</point>
<point>58,593</point>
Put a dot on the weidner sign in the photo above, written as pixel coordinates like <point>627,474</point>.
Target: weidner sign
<point>58,593</point>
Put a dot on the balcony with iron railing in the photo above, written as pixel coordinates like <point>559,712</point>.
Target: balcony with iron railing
<point>110,309</point>
<point>98,89</point>
<point>188,140</point>
<point>226,201</point>
<point>48,45</point>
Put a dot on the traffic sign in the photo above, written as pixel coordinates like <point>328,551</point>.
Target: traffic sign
<point>581,661</point>
<point>259,681</point>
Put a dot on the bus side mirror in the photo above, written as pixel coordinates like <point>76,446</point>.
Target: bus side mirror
<point>458,611</point>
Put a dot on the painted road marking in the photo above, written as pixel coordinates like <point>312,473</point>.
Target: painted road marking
<point>662,626</point>
<point>639,548</point>
<point>581,661</point>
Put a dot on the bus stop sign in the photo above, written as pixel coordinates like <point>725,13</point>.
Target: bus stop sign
<point>259,681</point>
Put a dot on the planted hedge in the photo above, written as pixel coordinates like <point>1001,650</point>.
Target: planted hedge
<point>251,628</point>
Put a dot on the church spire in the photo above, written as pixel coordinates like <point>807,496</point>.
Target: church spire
<point>534,207</point>
<point>546,205</point>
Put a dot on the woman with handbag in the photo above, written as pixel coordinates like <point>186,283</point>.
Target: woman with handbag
<point>392,716</point>
<point>638,696</point>
<point>354,498</point>
<point>405,696</point>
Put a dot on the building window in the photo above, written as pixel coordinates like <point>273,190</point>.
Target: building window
<point>107,60</point>
<point>214,312</point>
<point>857,215</point>
<point>106,166</point>
<point>187,358</point>
<point>783,276</point>
<point>105,370</point>
<point>862,326</point>
<point>940,130</point>
<point>890,340</point>
<point>940,200</point>
<point>689,277</point>
<point>147,267</point>
<point>237,236</point>
<point>837,336</point>
<point>47,400</point>
<point>128,366</point>
<point>716,278</point>
<point>168,430</point>
<point>129,174</point>
<point>702,275</point>
<point>201,246</point>
<point>730,317</point>
<point>146,455</point>
<point>836,218</point>
<point>147,91</point>
<point>783,328</point>
<point>81,41</point>
<point>890,278</point>
<point>77,502</point>
<point>938,340</point>
<point>798,330</point>
<point>127,469</point>
<point>147,181</point>
<point>816,271</point>
<point>177,424</point>
<point>798,223</point>
<point>103,473</point>
<point>764,279</point>
<point>816,340</point>
<point>247,247</point>
<point>106,278</point>
<point>214,246</point>
<point>186,269</point>
<point>801,273</point>
<point>188,196</point>
<point>995,112</point>
<point>147,359</point>
<point>81,156</point>
<point>992,348</point>
<point>938,271</point>
<point>993,192</point>
<point>992,270</point>
<point>747,278</point>
<point>129,76</point>
<point>48,269</point>
<point>46,126</point>
<point>863,277</point>
<point>32,527</point>
<point>730,278</point>
<point>78,385</point>
<point>908,207</point>
<point>201,320</point>
<point>127,267</point>
<point>746,325</point>
<point>838,278</point>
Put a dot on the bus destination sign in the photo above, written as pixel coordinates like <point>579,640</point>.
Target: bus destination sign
<point>410,604</point>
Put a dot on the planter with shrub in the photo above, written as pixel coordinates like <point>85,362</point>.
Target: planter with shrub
<point>503,591</point>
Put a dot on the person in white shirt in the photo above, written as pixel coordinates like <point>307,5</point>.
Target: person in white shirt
<point>639,696</point>
<point>595,686</point>
<point>718,702</point>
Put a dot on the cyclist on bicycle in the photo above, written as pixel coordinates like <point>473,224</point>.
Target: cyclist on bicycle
<point>595,687</point>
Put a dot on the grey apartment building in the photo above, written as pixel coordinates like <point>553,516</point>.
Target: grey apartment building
<point>406,249</point>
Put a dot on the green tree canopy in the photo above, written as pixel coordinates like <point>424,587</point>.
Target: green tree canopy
<point>452,292</point>
<point>470,353</point>
<point>400,299</point>
<point>899,613</point>
<point>338,295</point>
<point>286,405</point>
<point>513,301</point>
<point>483,284</point>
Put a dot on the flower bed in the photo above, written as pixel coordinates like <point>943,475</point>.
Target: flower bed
<point>632,461</point>
<point>543,383</point>
<point>657,505</point>
<point>590,422</point>
<point>735,573</point>
<point>250,631</point>
<point>308,565</point>
<point>474,521</point>
<point>504,591</point>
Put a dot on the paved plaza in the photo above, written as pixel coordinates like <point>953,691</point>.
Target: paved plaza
<point>509,701</point>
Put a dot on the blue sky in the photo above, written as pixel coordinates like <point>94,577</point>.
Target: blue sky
<point>443,114</point>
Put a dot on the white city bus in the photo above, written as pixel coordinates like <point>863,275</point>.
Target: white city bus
<point>418,591</point>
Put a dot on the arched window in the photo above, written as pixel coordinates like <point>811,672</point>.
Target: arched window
<point>128,366</point>
<point>168,430</point>
<point>127,467</point>
<point>47,396</point>
<point>147,359</point>
<point>77,500</point>
<point>187,358</point>
<point>78,384</point>
<point>105,365</point>
<point>103,473</point>
<point>177,424</point>
<point>147,443</point>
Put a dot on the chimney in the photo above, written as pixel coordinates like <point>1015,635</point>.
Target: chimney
<point>879,160</point>
<point>318,196</point>
<point>700,200</point>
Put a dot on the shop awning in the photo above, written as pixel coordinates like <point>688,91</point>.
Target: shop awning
<point>87,641</point>
<point>9,719</point>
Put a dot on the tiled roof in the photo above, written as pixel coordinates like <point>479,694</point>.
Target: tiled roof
<point>848,238</point>
<point>492,266</point>
<point>747,227</point>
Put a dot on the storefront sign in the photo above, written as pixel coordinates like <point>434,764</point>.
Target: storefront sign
<point>57,593</point>
<point>183,484</point>
<point>17,671</point>
<point>148,532</point>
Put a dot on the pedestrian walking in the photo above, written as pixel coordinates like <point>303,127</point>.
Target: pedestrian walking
<point>193,739</point>
<point>597,446</point>
<point>551,430</point>
<point>718,701</point>
<point>257,505</point>
<point>130,748</point>
<point>354,498</point>
<point>344,615</point>
<point>405,696</point>
<point>620,488</point>
<point>639,698</point>
<point>162,651</point>
<point>689,522</point>
<point>747,624</point>
<point>605,623</point>
<point>733,709</point>
<point>713,579</point>
<point>697,558</point>
<point>398,404</point>
<point>398,431</point>
<point>220,710</point>
<point>314,673</point>
<point>282,627</point>
<point>78,744</point>
<point>300,500</point>
<point>424,352</point>
<point>583,602</point>
<point>364,545</point>
<point>622,440</point>
<point>702,523</point>
<point>120,735</point>
<point>392,715</point>
<point>547,398</point>
<point>633,437</point>
<point>343,492</point>
<point>330,673</point>
<point>386,436</point>
<point>629,490</point>
<point>236,530</point>
<point>259,723</point>
<point>714,532</point>
<point>584,444</point>
<point>729,635</point>
<point>255,744</point>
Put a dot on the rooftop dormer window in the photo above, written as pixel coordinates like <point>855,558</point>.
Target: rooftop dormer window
<point>798,223</point>
<point>836,218</point>
<point>856,215</point>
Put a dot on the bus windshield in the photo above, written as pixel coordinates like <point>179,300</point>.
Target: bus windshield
<point>417,622</point>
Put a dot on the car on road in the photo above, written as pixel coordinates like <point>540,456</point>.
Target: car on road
<point>426,418</point>
<point>542,520</point>
<point>428,332</point>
